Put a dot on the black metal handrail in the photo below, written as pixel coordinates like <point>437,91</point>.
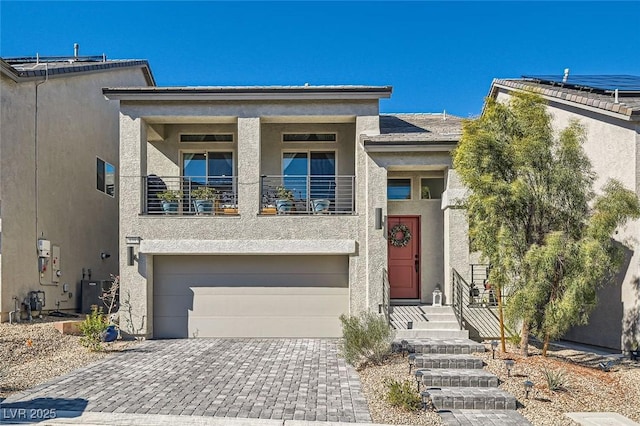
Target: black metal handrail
<point>475,306</point>
<point>385,306</point>
<point>307,194</point>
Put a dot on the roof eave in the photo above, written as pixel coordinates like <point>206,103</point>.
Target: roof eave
<point>244,94</point>
<point>497,84</point>
<point>443,146</point>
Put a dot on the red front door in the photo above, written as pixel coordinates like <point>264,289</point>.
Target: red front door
<point>404,256</point>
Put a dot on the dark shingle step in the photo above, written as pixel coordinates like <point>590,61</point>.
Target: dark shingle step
<point>457,377</point>
<point>438,346</point>
<point>470,398</point>
<point>483,417</point>
<point>446,361</point>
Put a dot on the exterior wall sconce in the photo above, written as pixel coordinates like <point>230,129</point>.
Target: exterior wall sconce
<point>131,241</point>
<point>379,219</point>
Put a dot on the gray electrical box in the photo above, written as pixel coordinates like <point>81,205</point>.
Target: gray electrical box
<point>91,291</point>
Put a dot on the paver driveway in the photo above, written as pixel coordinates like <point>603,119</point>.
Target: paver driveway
<point>300,379</point>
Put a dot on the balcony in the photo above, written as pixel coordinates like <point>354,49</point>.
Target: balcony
<point>307,194</point>
<point>190,195</point>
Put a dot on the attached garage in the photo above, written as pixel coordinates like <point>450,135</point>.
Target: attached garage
<point>249,296</point>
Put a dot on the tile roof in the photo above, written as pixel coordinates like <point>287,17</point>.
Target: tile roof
<point>627,105</point>
<point>416,129</point>
<point>31,68</point>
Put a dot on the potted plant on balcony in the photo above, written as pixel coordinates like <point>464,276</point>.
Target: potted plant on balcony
<point>204,197</point>
<point>170,199</point>
<point>284,203</point>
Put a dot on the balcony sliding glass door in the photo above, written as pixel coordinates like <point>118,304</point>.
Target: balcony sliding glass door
<point>310,175</point>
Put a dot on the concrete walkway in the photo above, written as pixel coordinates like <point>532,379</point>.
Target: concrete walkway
<point>279,379</point>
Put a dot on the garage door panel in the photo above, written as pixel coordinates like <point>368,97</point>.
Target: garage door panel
<point>249,296</point>
<point>257,264</point>
<point>268,304</point>
<point>182,282</point>
<point>220,326</point>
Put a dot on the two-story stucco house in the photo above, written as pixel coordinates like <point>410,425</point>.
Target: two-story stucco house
<point>609,109</point>
<point>58,176</point>
<point>309,182</point>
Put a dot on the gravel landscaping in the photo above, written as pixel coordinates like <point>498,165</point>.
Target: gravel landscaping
<point>33,353</point>
<point>586,387</point>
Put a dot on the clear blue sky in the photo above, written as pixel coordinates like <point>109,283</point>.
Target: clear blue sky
<point>435,55</point>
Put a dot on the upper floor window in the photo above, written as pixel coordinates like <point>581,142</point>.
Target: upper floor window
<point>309,137</point>
<point>105,177</point>
<point>219,137</point>
<point>431,188</point>
<point>398,189</point>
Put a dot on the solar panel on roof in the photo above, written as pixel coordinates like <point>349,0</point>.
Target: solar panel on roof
<point>625,84</point>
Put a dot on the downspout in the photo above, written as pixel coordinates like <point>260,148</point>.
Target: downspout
<point>35,152</point>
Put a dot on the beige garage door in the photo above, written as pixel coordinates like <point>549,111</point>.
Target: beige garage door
<point>249,296</point>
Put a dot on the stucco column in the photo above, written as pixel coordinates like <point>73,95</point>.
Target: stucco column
<point>456,234</point>
<point>136,291</point>
<point>248,165</point>
<point>366,289</point>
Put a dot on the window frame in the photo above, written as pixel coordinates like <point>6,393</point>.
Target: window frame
<point>410,189</point>
<point>181,134</point>
<point>282,137</point>
<point>105,165</point>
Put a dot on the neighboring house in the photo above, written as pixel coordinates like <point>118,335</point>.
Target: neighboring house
<point>58,175</point>
<point>609,109</point>
<point>255,264</point>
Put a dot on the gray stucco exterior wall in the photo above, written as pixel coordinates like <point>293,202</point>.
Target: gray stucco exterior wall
<point>75,125</point>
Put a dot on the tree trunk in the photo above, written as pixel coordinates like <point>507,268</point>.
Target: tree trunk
<point>524,339</point>
<point>545,346</point>
<point>501,317</point>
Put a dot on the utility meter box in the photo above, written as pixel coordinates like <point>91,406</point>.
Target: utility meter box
<point>44,248</point>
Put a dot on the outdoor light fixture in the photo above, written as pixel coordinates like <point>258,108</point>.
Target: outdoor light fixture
<point>494,346</point>
<point>418,375</point>
<point>131,241</point>
<point>405,348</point>
<point>425,399</point>
<point>528,385</point>
<point>509,364</point>
<point>412,361</point>
<point>378,218</point>
<point>409,325</point>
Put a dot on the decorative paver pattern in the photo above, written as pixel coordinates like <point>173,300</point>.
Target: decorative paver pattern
<point>471,398</point>
<point>457,377</point>
<point>483,417</point>
<point>289,379</point>
<point>447,361</point>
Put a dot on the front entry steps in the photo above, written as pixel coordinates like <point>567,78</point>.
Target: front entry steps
<point>426,321</point>
<point>470,398</point>
<point>447,361</point>
<point>458,377</point>
<point>438,346</point>
<point>456,384</point>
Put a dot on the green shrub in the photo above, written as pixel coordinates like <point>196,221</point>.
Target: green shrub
<point>365,339</point>
<point>401,394</point>
<point>514,339</point>
<point>555,379</point>
<point>92,327</point>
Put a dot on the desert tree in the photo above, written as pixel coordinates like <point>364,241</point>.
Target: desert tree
<point>533,214</point>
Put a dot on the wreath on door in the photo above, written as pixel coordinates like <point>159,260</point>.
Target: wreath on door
<point>406,235</point>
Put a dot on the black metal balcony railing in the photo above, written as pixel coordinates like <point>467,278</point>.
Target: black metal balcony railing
<point>178,195</point>
<point>307,194</point>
